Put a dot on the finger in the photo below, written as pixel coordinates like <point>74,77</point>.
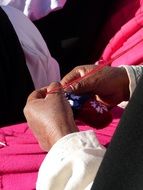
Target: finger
<point>37,94</point>
<point>69,89</point>
<point>54,87</point>
<point>107,101</point>
<point>71,82</point>
<point>74,74</point>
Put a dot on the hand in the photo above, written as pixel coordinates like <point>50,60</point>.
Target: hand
<point>110,84</point>
<point>49,116</point>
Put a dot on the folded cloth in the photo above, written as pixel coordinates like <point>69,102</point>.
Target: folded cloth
<point>20,158</point>
<point>129,38</point>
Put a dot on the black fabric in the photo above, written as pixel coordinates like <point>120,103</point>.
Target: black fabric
<point>15,79</point>
<point>122,166</point>
<point>71,33</point>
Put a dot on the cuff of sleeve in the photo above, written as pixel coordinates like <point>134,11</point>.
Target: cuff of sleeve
<point>132,79</point>
<point>72,162</point>
<point>84,139</point>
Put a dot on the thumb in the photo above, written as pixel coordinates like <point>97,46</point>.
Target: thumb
<point>55,87</point>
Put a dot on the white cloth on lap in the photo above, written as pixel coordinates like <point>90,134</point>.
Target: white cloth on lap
<point>72,163</point>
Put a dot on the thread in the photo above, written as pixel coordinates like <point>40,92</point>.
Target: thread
<point>93,71</point>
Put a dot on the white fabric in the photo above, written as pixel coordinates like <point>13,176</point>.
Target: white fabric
<point>134,73</point>
<point>72,163</point>
<point>43,68</point>
<point>35,9</point>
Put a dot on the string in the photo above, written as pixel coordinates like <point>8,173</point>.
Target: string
<point>93,71</point>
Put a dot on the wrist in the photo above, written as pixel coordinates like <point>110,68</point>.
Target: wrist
<point>125,84</point>
<point>64,130</point>
<point>50,137</point>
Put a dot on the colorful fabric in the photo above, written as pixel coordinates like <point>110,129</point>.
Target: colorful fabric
<point>20,159</point>
<point>21,156</point>
<point>129,38</point>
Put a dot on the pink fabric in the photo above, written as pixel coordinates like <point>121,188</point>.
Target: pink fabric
<point>129,38</point>
<point>21,158</point>
<point>105,134</point>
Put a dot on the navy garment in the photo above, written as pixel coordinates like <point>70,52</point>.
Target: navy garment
<point>122,166</point>
<point>15,79</point>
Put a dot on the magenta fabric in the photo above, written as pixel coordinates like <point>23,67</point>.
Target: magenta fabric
<point>21,157</point>
<point>105,134</point>
<point>129,38</point>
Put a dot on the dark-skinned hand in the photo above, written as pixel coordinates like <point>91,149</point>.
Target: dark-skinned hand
<point>49,115</point>
<point>110,84</point>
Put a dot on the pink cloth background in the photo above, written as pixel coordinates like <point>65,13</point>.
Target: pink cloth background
<point>129,37</point>
<point>21,158</point>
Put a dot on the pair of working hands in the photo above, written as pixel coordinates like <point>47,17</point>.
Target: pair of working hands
<point>50,116</point>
